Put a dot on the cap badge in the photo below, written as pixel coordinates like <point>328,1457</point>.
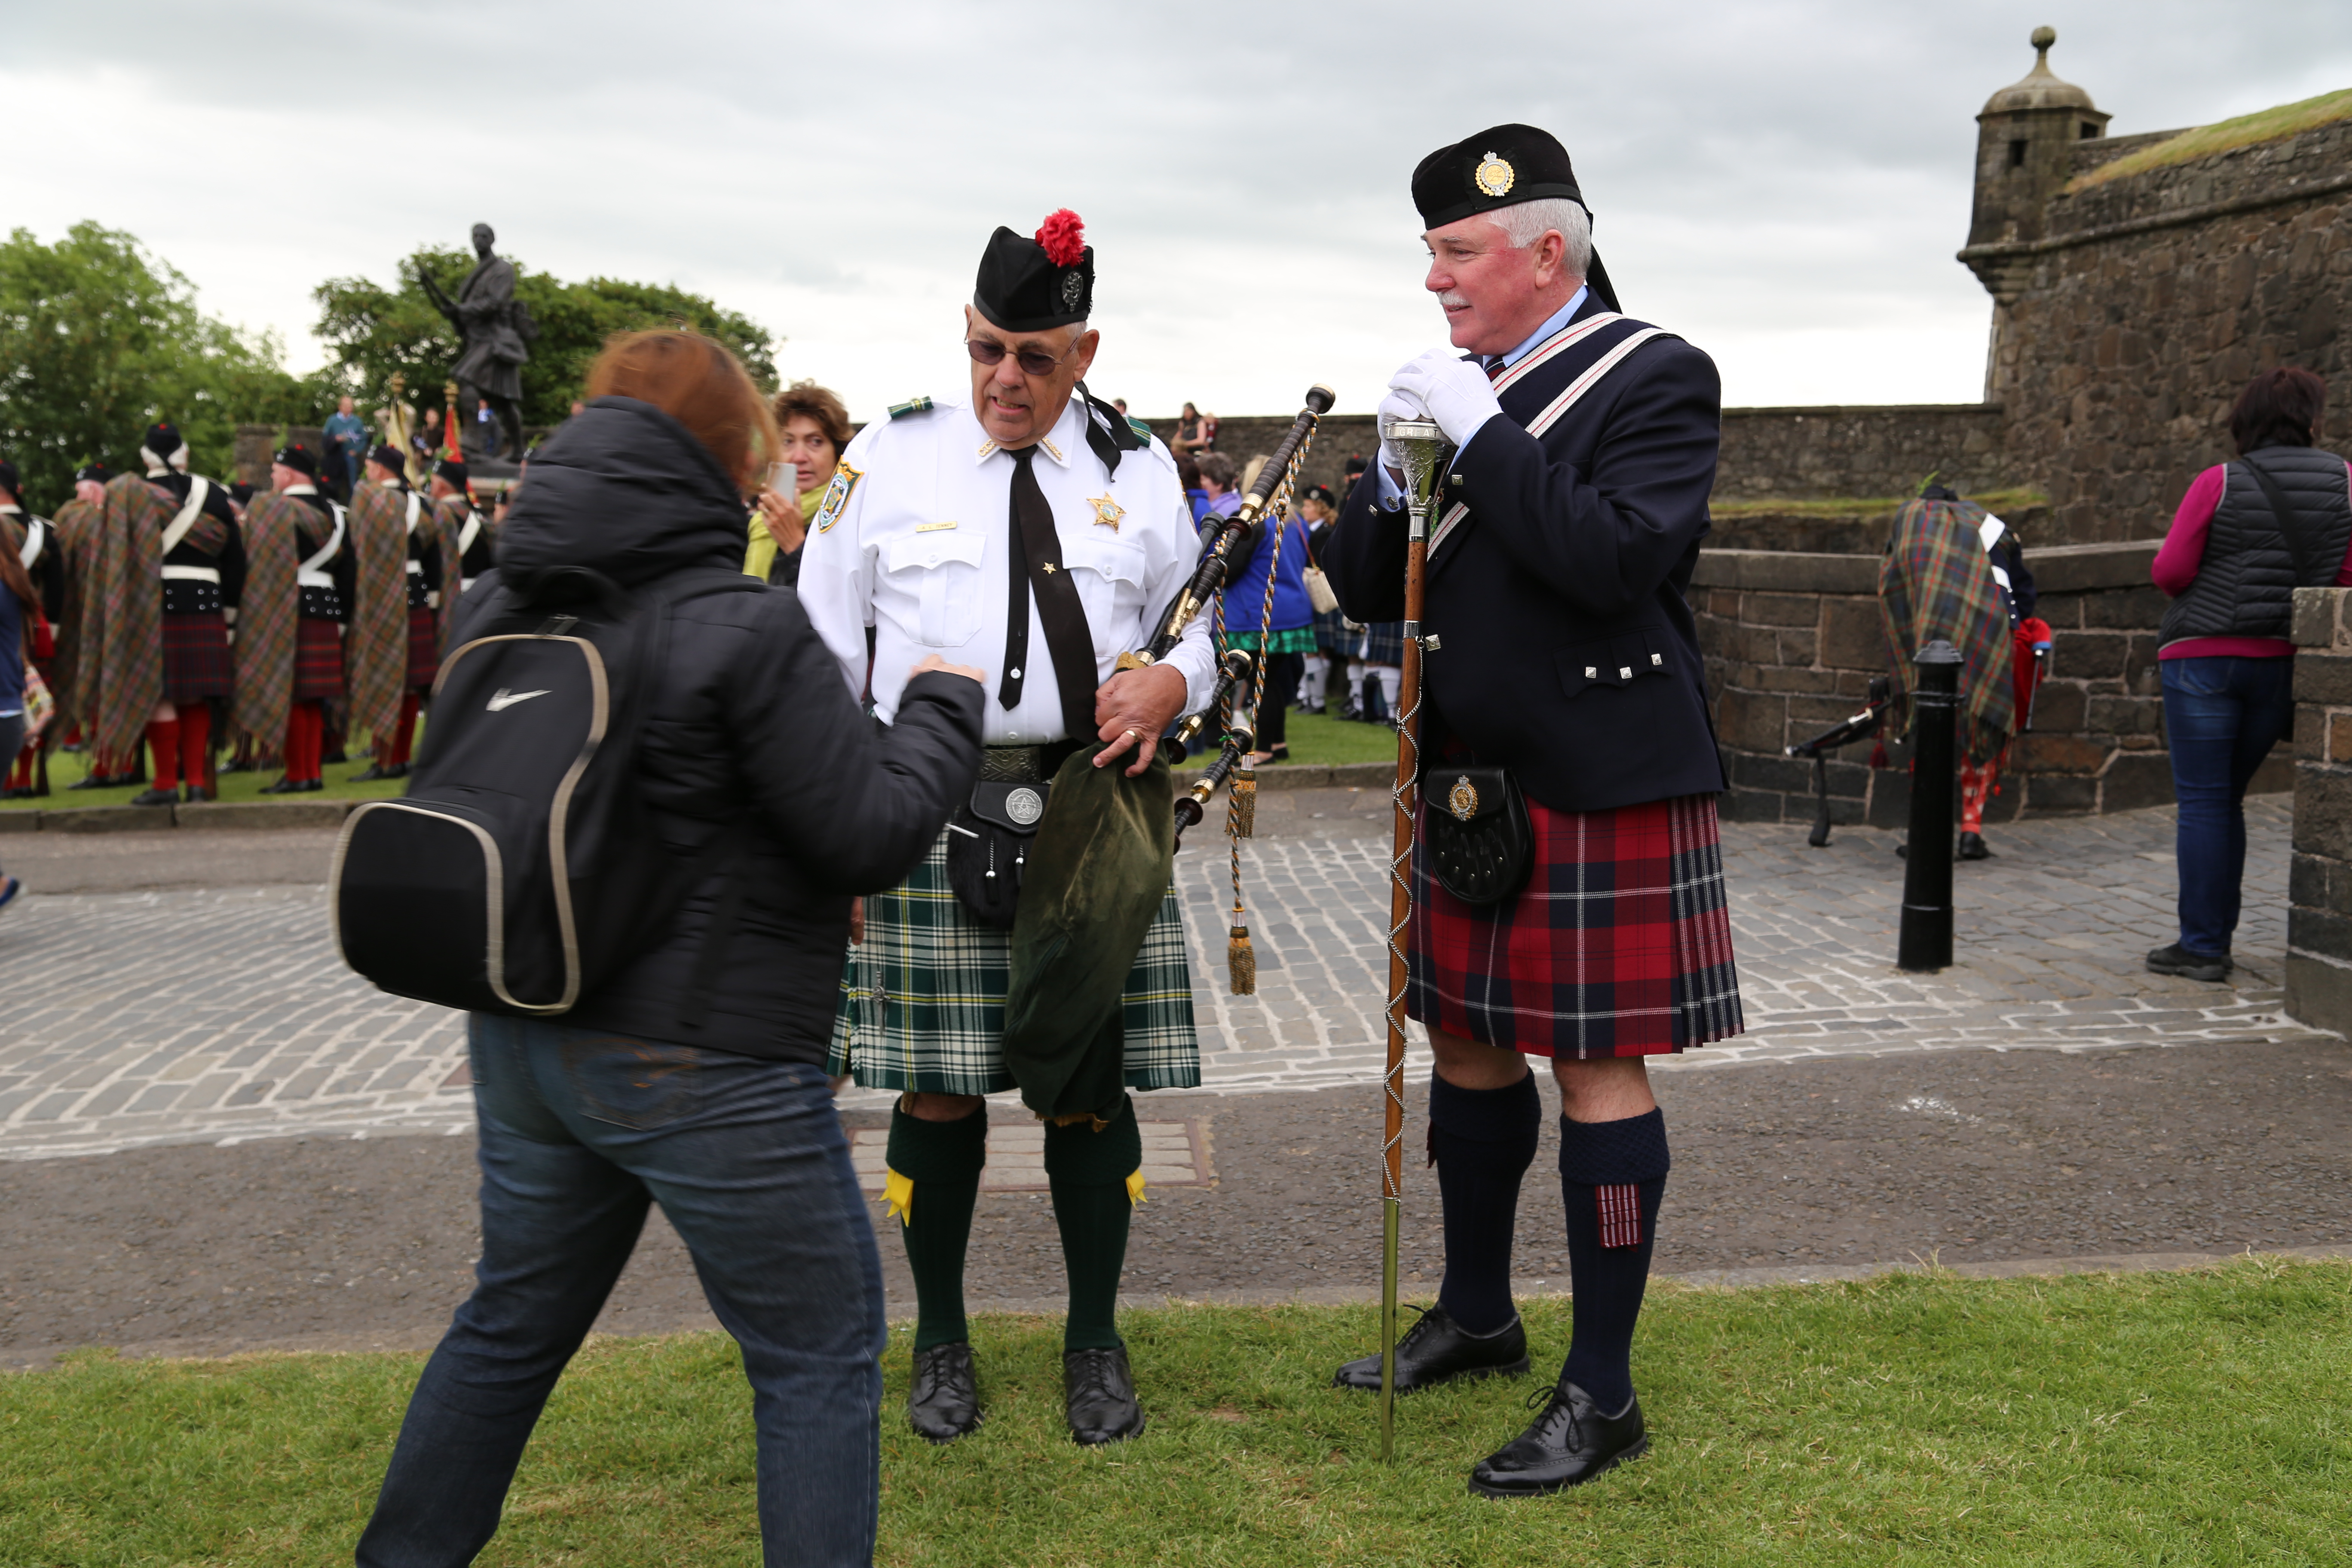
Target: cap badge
<point>1073,283</point>
<point>1495,176</point>
<point>1462,800</point>
<point>1107,512</point>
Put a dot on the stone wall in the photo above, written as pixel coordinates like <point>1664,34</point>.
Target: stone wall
<point>1791,454</point>
<point>1792,639</point>
<point>2319,874</point>
<point>2127,330</point>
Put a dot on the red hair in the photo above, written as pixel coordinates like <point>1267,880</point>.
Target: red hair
<point>696,381</point>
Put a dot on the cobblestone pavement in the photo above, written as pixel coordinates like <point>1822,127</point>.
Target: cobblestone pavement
<point>221,1014</point>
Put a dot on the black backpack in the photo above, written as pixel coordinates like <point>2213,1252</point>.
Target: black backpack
<point>523,865</point>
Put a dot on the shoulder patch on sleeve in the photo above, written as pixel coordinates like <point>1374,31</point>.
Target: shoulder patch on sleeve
<point>836,496</point>
<point>1140,429</point>
<point>912,405</point>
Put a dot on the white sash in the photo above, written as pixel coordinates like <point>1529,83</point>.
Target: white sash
<point>312,572</point>
<point>1576,389</point>
<point>37,534</point>
<point>177,529</point>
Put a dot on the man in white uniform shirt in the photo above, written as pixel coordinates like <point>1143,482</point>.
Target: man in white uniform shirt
<point>1033,535</point>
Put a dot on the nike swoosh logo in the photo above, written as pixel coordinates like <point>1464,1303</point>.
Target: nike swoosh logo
<point>506,699</point>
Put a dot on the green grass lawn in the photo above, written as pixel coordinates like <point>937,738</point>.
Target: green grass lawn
<point>2187,1418</point>
<point>72,767</point>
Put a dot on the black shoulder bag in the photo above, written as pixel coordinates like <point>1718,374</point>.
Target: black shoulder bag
<point>1476,833</point>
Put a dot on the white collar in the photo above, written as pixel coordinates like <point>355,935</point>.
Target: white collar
<point>1059,443</point>
<point>299,491</point>
<point>9,506</point>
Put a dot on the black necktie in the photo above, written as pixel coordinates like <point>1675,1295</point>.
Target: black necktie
<point>1034,562</point>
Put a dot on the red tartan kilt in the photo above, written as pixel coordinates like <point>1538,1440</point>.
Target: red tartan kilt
<point>318,660</point>
<point>1620,946</point>
<point>424,647</point>
<point>196,659</point>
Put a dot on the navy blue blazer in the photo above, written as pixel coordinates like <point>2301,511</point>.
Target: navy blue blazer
<point>1567,651</point>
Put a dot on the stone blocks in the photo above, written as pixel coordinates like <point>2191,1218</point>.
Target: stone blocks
<point>2319,875</point>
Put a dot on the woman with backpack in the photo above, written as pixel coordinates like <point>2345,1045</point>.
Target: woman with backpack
<point>2246,536</point>
<point>759,772</point>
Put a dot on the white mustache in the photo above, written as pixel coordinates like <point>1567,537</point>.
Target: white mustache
<point>1454,300</point>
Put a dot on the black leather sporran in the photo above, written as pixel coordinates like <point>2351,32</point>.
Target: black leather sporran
<point>987,847</point>
<point>1476,834</point>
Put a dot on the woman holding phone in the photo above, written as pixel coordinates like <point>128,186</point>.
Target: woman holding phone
<point>814,427</point>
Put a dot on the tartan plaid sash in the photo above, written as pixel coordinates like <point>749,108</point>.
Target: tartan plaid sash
<point>126,680</point>
<point>267,621</point>
<point>375,649</point>
<point>1938,582</point>
<point>78,524</point>
<point>447,520</point>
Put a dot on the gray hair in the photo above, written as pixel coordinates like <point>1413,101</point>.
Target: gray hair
<point>1525,223</point>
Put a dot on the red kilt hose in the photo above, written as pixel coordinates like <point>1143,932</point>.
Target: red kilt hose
<point>318,660</point>
<point>1620,946</point>
<point>196,659</point>
<point>424,647</point>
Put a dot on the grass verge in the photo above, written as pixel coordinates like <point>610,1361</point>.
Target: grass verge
<point>2246,131</point>
<point>2201,1417</point>
<point>72,767</point>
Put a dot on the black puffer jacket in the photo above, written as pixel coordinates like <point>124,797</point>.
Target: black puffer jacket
<point>751,725</point>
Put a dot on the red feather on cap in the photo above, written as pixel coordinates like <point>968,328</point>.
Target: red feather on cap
<point>1064,237</point>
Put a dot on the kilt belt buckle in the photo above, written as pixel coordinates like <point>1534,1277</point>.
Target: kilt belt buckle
<point>1013,765</point>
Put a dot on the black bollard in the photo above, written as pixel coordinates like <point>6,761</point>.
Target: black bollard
<point>1925,939</point>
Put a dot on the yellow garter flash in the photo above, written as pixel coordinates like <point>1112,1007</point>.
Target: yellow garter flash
<point>898,1195</point>
<point>1135,1188</point>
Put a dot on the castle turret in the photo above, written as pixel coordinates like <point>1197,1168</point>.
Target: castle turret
<point>2022,161</point>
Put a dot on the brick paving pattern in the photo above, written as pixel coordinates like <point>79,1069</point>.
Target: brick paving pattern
<point>220,1015</point>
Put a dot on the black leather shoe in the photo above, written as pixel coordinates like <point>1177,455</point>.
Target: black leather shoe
<point>311,787</point>
<point>283,786</point>
<point>1100,1394</point>
<point>1570,1444</point>
<point>156,798</point>
<point>371,774</point>
<point>944,1404</point>
<point>1438,1350</point>
<point>397,771</point>
<point>94,782</point>
<point>234,766</point>
<point>2178,960</point>
<point>1972,847</point>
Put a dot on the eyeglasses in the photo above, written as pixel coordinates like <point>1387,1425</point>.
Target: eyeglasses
<point>1033,362</point>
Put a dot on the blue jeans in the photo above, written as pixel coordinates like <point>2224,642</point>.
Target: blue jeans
<point>579,1130</point>
<point>2221,717</point>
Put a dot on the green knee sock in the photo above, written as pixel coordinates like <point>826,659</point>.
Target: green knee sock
<point>1087,1171</point>
<point>943,1161</point>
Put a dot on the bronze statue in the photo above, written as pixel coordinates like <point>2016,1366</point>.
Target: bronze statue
<point>495,330</point>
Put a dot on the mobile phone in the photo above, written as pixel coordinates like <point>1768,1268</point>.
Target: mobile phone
<point>784,478</point>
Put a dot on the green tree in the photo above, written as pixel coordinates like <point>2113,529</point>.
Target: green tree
<point>373,331</point>
<point>100,338</point>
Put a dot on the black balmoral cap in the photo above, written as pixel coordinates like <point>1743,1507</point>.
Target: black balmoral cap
<point>161,440</point>
<point>389,457</point>
<point>10,481</point>
<point>298,458</point>
<point>1501,167</point>
<point>452,470</point>
<point>1030,285</point>
<point>96,473</point>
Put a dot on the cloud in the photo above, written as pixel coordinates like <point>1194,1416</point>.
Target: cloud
<point>1783,181</point>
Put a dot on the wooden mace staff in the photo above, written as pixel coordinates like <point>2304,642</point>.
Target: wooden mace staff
<point>1425,449</point>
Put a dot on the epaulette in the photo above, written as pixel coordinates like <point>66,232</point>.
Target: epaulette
<point>912,405</point>
<point>1140,428</point>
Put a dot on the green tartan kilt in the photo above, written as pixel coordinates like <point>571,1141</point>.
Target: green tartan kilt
<point>922,997</point>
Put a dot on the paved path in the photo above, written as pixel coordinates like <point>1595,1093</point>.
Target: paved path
<point>212,1014</point>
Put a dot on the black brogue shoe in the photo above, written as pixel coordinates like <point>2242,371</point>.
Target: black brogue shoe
<point>1099,1390</point>
<point>943,1402</point>
<point>1438,1350</point>
<point>1568,1444</point>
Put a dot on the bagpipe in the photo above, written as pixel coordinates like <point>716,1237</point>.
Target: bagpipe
<point>1861,726</point>
<point>1224,555</point>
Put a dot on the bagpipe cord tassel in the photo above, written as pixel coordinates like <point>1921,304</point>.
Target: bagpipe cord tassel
<point>1241,960</point>
<point>1243,802</point>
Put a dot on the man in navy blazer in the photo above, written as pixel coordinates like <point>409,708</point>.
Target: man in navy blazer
<point>1560,649</point>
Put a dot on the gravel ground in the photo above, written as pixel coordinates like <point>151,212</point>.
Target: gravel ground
<point>1965,1155</point>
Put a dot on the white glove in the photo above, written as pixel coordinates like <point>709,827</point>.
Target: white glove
<point>1455,391</point>
<point>1396,406</point>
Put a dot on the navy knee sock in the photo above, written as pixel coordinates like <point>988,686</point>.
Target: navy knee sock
<point>1611,1176</point>
<point>944,1160</point>
<point>1483,1140</point>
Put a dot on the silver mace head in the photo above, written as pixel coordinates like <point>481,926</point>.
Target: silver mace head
<point>1425,450</point>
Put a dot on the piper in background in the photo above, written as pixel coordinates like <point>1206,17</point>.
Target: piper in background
<point>396,641</point>
<point>1032,533</point>
<point>455,548</point>
<point>34,541</point>
<point>289,654</point>
<point>164,659</point>
<point>1567,750</point>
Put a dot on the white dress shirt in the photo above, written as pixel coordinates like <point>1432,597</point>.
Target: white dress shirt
<point>917,550</point>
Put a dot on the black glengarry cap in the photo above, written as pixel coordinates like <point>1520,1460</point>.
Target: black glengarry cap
<point>1030,285</point>
<point>1501,166</point>
<point>298,458</point>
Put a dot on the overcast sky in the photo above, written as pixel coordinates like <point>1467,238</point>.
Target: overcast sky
<point>1782,182</point>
